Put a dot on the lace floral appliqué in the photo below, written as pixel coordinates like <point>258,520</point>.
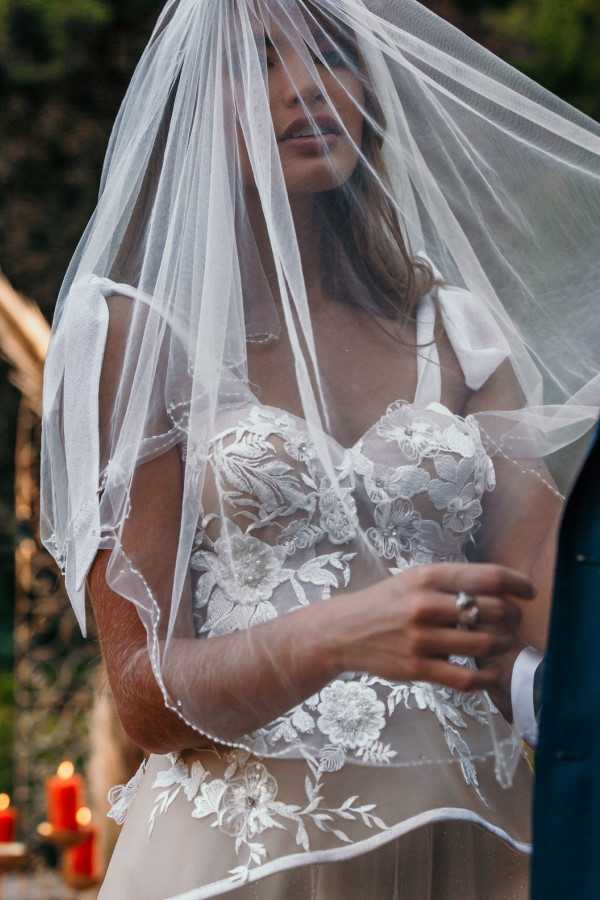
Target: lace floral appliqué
<point>244,804</point>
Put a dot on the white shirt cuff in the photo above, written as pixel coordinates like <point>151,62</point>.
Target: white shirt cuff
<point>521,690</point>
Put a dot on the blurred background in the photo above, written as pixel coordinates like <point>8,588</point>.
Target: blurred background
<point>64,67</point>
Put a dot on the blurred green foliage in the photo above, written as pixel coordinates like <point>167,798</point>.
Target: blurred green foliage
<point>556,42</point>
<point>37,33</point>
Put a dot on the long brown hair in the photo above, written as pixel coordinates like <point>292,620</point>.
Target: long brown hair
<point>369,263</point>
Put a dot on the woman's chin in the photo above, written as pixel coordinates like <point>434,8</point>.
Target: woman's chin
<point>315,176</point>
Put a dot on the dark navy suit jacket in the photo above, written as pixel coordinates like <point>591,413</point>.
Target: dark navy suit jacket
<point>566,855</point>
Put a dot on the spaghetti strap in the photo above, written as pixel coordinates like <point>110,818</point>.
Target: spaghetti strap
<point>477,339</point>
<point>429,377</point>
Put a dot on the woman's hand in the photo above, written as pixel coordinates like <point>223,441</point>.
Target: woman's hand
<point>405,627</point>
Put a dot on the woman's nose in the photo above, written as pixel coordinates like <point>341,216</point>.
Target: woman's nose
<point>300,83</point>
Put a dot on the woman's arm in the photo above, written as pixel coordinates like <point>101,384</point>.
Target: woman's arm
<point>521,531</point>
<point>521,524</point>
<point>237,681</point>
<point>521,517</point>
<point>529,544</point>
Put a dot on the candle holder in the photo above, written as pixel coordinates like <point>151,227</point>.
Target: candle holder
<point>12,857</point>
<point>61,838</point>
<point>70,828</point>
<point>79,882</point>
<point>77,850</point>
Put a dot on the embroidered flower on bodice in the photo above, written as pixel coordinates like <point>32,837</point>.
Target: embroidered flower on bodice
<point>350,714</point>
<point>240,576</point>
<point>338,517</point>
<point>397,529</point>
<point>455,491</point>
<point>416,438</point>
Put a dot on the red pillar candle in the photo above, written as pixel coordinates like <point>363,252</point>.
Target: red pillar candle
<point>8,820</point>
<point>65,796</point>
<point>81,861</point>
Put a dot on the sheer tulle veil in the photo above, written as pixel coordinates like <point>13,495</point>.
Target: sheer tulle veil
<point>448,198</point>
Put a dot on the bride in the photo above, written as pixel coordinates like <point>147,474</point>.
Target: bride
<point>304,423</point>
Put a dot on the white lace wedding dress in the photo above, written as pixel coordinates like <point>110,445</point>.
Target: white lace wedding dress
<point>354,822</point>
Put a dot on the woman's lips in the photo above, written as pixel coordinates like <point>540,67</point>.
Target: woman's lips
<point>322,129</point>
<point>312,142</point>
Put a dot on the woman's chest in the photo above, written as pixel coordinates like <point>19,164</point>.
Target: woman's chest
<point>414,479</point>
<point>361,370</point>
<point>364,366</point>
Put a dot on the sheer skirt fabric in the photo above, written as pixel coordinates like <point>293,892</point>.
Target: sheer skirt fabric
<point>172,846</point>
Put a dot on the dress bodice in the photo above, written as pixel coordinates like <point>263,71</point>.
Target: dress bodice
<point>408,492</point>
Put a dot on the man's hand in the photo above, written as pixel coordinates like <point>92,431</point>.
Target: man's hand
<point>501,691</point>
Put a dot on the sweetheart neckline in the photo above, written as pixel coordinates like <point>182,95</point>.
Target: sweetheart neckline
<point>437,408</point>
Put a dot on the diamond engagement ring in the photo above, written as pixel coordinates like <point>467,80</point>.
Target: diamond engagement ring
<point>468,611</point>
